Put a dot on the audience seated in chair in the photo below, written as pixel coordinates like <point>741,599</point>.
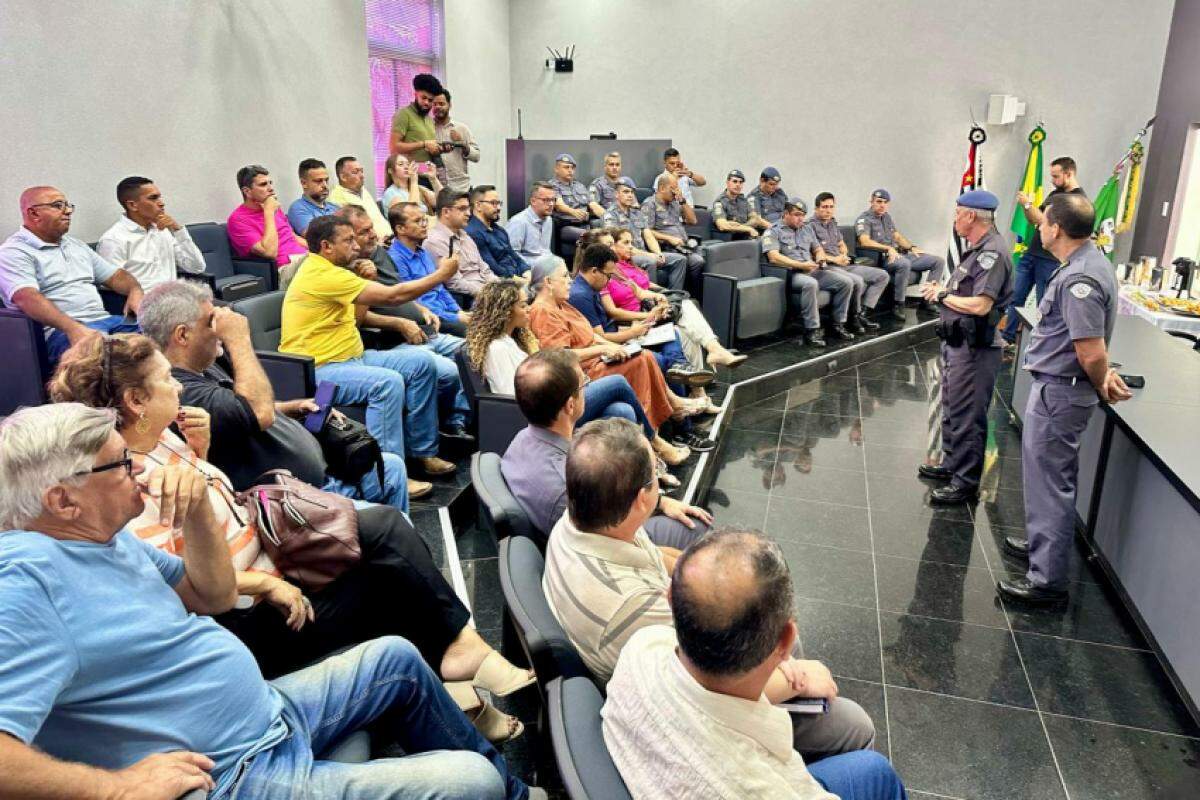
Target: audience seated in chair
<point>531,229</point>
<point>665,216</point>
<point>875,228</point>
<point>490,238</point>
<point>289,624</point>
<point>449,237</point>
<point>768,197</point>
<point>572,210</point>
<point>686,714</point>
<point>732,212</point>
<point>351,191</point>
<point>89,612</point>
<point>414,265</point>
<point>258,227</point>
<point>314,202</point>
<point>647,253</point>
<point>147,242</point>
<point>403,187</point>
<point>52,277</point>
<point>319,320</point>
<point>534,465</point>
<point>602,191</point>
<point>869,282</point>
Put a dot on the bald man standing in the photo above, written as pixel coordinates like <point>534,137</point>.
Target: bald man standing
<point>52,277</point>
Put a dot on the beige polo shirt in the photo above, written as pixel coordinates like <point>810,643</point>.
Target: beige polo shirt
<point>603,590</point>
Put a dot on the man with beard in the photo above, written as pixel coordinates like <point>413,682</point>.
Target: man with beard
<point>314,202</point>
<point>491,239</point>
<point>412,129</point>
<point>458,145</point>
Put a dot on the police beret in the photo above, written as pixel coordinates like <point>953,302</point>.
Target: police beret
<point>735,173</point>
<point>567,157</point>
<point>625,180</point>
<point>980,199</point>
<point>770,174</point>
<point>797,203</point>
<point>881,194</point>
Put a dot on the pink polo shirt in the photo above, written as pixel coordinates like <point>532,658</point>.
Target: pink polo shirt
<point>245,228</point>
<point>620,290</point>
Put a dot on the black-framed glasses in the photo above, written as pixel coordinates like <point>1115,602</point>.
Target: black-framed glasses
<point>496,203</point>
<point>58,205</point>
<point>125,462</point>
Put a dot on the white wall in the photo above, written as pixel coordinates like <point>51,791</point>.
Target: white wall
<point>182,92</point>
<point>477,72</point>
<point>881,98</point>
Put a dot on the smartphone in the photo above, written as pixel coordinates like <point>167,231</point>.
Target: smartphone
<point>1134,381</point>
<point>424,167</point>
<point>451,253</point>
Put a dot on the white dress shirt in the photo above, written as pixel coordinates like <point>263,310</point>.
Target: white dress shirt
<point>504,355</point>
<point>671,737</point>
<point>152,254</point>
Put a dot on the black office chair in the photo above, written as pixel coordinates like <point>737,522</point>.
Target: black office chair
<point>860,254</point>
<point>219,273</point>
<point>587,769</point>
<point>642,193</point>
<point>500,510</point>
<point>496,418</point>
<point>703,229</point>
<point>264,268</point>
<point>25,367</point>
<point>739,300</point>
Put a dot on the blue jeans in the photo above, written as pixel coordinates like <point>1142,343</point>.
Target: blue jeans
<point>398,387</point>
<point>451,397</point>
<point>383,681</point>
<point>612,396</point>
<point>394,491</point>
<point>1032,270</point>
<point>58,342</point>
<point>860,775</point>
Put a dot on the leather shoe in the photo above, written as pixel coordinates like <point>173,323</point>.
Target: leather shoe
<point>854,325</point>
<point>952,495</point>
<point>935,472</point>
<point>458,432</point>
<point>867,323</point>
<point>814,338</point>
<point>1016,546</point>
<point>1025,591</point>
<point>898,313</point>
<point>840,332</point>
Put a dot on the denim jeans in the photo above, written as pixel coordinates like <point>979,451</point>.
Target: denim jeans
<point>58,342</point>
<point>1032,270</point>
<point>612,396</point>
<point>394,491</point>
<point>451,397</point>
<point>398,387</point>
<point>384,681</point>
<point>860,775</point>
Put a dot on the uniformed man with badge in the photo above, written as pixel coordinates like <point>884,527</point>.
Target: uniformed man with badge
<point>666,213</point>
<point>602,192</point>
<point>571,214</point>
<point>731,211</point>
<point>969,308</point>
<point>869,282</point>
<point>647,253</point>
<point>790,244</point>
<point>767,200</point>
<point>1067,357</point>
<point>875,228</point>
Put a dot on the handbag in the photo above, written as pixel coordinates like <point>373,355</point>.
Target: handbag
<point>350,451</point>
<point>675,298</point>
<point>310,534</point>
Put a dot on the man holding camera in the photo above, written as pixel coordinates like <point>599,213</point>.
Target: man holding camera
<point>457,143</point>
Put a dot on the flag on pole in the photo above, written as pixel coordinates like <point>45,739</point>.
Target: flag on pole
<point>972,178</point>
<point>1031,187</point>
<point>1106,215</point>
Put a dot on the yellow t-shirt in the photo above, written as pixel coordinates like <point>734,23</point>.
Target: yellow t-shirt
<point>318,312</point>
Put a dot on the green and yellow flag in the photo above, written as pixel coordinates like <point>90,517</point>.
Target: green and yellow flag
<point>1031,186</point>
<point>1106,215</point>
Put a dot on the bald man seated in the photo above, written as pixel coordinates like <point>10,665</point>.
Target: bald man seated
<point>605,580</point>
<point>689,714</point>
<point>52,277</point>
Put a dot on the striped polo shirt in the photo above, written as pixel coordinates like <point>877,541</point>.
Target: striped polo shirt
<point>603,590</point>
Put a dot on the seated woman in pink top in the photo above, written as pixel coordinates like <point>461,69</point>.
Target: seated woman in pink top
<point>258,227</point>
<point>623,298</point>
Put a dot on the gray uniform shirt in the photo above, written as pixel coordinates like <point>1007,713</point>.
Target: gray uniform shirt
<point>1080,303</point>
<point>768,206</point>
<point>664,217</point>
<point>603,191</point>
<point>573,194</point>
<point>827,234</point>
<point>634,221</point>
<point>797,244</point>
<point>985,271</point>
<point>880,229</point>
<point>733,209</point>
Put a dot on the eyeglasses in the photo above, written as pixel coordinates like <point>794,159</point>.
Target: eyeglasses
<point>583,384</point>
<point>125,462</point>
<point>58,205</point>
<point>496,203</point>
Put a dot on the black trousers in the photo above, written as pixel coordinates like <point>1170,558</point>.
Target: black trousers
<point>396,589</point>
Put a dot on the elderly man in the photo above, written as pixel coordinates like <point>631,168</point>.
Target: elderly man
<point>314,202</point>
<point>490,238</point>
<point>666,213</point>
<point>258,226</point>
<point>458,145</point>
<point>147,242</point>
<point>732,213</point>
<point>351,191</point>
<point>531,230</point>
<point>686,715</point>
<point>414,265</point>
<point>51,277</point>
<point>117,681</point>
<point>449,238</point>
<point>875,228</point>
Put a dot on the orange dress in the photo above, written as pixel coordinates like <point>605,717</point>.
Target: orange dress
<point>562,325</point>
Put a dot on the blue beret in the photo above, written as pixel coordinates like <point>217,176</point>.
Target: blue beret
<point>735,173</point>
<point>881,194</point>
<point>567,157</point>
<point>625,180</point>
<point>980,199</point>
<point>770,174</point>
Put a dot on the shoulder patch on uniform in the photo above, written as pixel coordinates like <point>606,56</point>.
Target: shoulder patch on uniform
<point>987,259</point>
<point>1081,290</point>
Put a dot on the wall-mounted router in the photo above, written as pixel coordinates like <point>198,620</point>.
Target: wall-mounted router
<point>562,62</point>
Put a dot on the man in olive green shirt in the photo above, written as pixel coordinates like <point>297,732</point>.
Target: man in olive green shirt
<point>412,127</point>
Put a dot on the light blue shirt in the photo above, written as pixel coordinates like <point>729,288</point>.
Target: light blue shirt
<point>395,194</point>
<point>66,273</point>
<point>303,211</point>
<point>529,235</point>
<point>103,665</point>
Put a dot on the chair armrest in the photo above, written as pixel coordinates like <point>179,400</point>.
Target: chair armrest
<point>499,419</point>
<point>260,268</point>
<point>292,377</point>
<point>464,300</point>
<point>720,305</point>
<point>206,278</point>
<point>769,270</point>
<point>114,303</point>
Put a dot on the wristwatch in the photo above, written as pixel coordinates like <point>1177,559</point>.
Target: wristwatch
<point>942,295</point>
<point>1028,205</point>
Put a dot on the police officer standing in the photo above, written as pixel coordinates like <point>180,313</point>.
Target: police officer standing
<point>731,211</point>
<point>571,213</point>
<point>1068,359</point>
<point>969,307</point>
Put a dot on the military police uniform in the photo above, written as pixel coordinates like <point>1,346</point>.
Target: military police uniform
<point>882,229</point>
<point>668,218</point>
<point>798,244</point>
<point>674,266</point>
<point>573,194</point>
<point>1080,303</point>
<point>768,206</point>
<point>869,282</point>
<point>604,192</point>
<point>971,351</point>
<point>734,209</point>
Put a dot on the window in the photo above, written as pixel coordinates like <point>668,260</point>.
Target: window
<point>404,38</point>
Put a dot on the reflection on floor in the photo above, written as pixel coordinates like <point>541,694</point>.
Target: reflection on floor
<point>972,698</point>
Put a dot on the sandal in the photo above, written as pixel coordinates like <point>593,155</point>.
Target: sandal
<point>501,678</point>
<point>492,723</point>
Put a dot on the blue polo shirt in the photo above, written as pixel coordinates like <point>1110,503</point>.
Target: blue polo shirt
<point>303,211</point>
<point>496,249</point>
<point>587,302</point>
<point>411,266</point>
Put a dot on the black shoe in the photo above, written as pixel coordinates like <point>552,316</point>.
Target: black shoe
<point>813,337</point>
<point>1016,546</point>
<point>935,472</point>
<point>694,442</point>
<point>952,495</point>
<point>458,433</point>
<point>854,325</point>
<point>867,322</point>
<point>898,313</point>
<point>1024,591</point>
<point>840,332</point>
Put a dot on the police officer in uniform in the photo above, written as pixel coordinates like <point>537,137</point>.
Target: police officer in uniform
<point>1068,359</point>
<point>768,198</point>
<point>666,212</point>
<point>869,282</point>
<point>875,228</point>
<point>790,244</point>
<point>731,211</point>
<point>647,253</point>
<point>602,192</point>
<point>969,307</point>
<point>571,214</point>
